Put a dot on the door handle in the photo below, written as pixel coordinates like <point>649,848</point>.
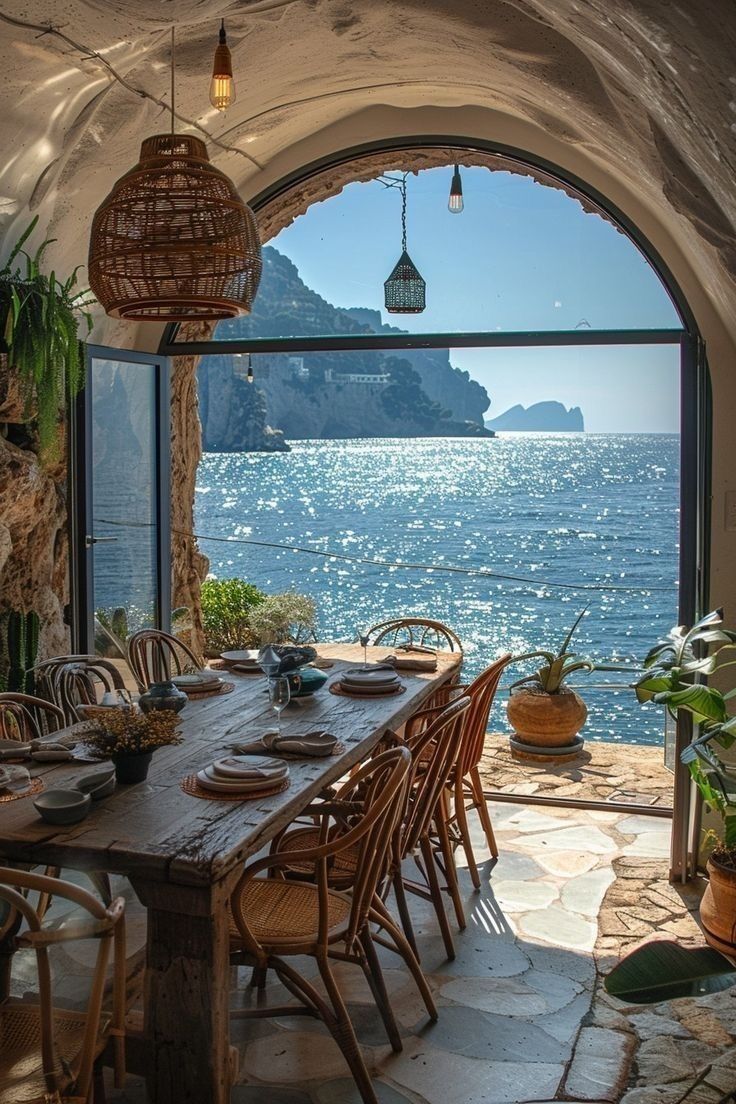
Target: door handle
<point>89,540</point>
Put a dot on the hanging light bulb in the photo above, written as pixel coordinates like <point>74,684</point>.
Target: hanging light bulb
<point>222,85</point>
<point>249,376</point>
<point>455,203</point>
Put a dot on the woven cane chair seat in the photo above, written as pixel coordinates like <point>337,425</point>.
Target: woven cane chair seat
<point>21,1069</point>
<point>341,869</point>
<point>285,913</point>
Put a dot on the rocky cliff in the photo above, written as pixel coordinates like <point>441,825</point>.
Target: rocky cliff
<point>544,417</point>
<point>451,387</point>
<point>317,395</point>
<point>233,411</point>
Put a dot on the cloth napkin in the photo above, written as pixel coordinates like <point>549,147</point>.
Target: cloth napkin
<point>320,745</point>
<point>13,779</point>
<point>409,662</point>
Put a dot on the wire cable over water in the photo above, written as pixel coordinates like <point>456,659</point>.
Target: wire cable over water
<point>454,569</point>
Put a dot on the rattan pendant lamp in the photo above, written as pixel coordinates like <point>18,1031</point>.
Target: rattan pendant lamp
<point>173,241</point>
<point>405,290</point>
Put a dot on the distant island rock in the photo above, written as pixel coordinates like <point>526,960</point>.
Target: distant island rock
<point>327,395</point>
<point>544,417</point>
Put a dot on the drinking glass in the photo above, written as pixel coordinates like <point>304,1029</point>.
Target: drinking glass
<point>279,693</point>
<point>363,637</point>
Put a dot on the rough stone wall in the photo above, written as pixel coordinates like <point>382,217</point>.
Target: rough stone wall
<point>188,565</point>
<point>34,551</point>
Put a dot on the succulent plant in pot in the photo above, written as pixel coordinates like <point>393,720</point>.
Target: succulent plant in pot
<point>542,710</point>
<point>674,669</point>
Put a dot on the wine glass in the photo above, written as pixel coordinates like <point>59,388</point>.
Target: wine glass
<point>279,693</point>
<point>363,637</point>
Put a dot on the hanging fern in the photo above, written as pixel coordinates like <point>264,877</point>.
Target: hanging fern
<point>39,321</point>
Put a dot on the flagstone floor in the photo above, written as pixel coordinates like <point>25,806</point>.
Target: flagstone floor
<point>512,1002</point>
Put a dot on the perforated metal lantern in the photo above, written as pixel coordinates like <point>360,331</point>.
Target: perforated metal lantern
<point>405,290</point>
<point>173,240</point>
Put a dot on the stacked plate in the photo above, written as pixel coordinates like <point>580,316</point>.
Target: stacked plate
<point>369,681</point>
<point>198,682</point>
<point>245,660</point>
<point>243,774</point>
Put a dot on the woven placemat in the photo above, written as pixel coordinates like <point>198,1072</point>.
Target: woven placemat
<point>336,688</point>
<point>191,786</point>
<point>223,688</point>
<point>37,786</point>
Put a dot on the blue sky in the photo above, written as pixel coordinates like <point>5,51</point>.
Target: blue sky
<point>521,256</point>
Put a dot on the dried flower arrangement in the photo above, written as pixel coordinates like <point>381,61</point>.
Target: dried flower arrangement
<point>128,732</point>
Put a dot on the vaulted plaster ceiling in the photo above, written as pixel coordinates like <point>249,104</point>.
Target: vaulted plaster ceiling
<point>637,93</point>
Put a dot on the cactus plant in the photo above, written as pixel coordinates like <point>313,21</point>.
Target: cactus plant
<point>20,651</point>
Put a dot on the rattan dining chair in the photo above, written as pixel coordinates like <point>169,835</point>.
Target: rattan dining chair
<point>274,919</point>
<point>74,680</point>
<point>154,656</point>
<point>408,631</point>
<point>433,736</point>
<point>465,783</point>
<point>24,717</point>
<point>47,1053</point>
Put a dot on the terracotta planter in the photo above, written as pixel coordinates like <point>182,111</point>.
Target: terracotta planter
<point>718,908</point>
<point>546,720</point>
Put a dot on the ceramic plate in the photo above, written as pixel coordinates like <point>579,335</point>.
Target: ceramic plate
<point>363,690</point>
<point>200,680</point>
<point>232,785</point>
<point>356,677</point>
<point>248,767</point>
<point>248,657</point>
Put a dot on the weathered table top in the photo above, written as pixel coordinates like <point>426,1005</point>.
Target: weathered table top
<point>155,831</point>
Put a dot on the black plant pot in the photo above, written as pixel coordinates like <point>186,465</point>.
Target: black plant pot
<point>130,768</point>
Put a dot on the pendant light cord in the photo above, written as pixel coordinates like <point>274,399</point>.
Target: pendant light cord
<point>403,214</point>
<point>173,113</point>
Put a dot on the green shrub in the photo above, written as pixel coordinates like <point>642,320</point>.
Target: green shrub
<point>226,608</point>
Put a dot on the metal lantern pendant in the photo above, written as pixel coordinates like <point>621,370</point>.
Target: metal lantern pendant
<point>405,290</point>
<point>173,241</point>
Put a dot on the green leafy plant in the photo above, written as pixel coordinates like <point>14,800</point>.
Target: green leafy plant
<point>39,322</point>
<point>227,605</point>
<point>558,665</point>
<point>673,670</point>
<point>283,618</point>
<point>663,970</point>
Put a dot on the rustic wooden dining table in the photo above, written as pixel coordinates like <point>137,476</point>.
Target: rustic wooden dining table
<point>183,855</point>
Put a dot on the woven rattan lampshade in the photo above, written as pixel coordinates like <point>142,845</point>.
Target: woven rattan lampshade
<point>173,240</point>
<point>404,291</point>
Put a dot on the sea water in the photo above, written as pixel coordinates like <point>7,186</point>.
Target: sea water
<point>561,521</point>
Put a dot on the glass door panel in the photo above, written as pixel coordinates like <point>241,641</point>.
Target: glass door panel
<point>125,467</point>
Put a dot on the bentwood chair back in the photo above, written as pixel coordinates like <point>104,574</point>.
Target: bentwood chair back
<point>49,1053</point>
<point>421,631</point>
<point>481,692</point>
<point>74,680</point>
<point>25,718</point>
<point>274,919</point>
<point>155,656</point>
<point>467,785</point>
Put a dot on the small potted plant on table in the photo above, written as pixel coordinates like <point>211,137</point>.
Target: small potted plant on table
<point>130,739</point>
<point>673,667</point>
<point>542,710</point>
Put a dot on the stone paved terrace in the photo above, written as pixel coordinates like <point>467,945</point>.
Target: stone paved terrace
<point>523,1015</point>
<point>603,771</point>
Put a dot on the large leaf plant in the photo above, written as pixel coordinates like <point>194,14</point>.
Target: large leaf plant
<point>674,669</point>
<point>39,324</point>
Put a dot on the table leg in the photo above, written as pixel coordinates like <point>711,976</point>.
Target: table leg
<point>186,1022</point>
